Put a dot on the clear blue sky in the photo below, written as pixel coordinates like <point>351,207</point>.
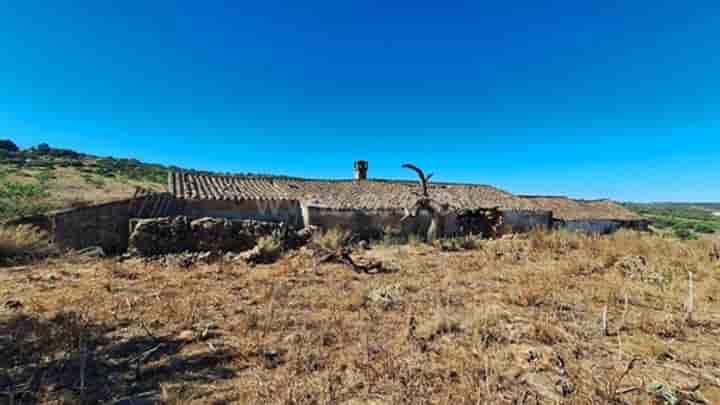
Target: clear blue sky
<point>584,98</point>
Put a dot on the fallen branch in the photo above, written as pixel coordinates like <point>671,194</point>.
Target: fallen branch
<point>343,256</point>
<point>146,354</point>
<point>709,379</point>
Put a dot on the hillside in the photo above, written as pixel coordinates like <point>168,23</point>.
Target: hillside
<point>44,178</point>
<point>686,220</point>
<point>702,206</point>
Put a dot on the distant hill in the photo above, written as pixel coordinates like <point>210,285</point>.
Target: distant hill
<point>686,219</point>
<point>709,206</point>
<point>44,178</point>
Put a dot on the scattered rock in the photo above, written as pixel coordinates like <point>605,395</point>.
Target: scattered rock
<point>224,234</point>
<point>13,305</point>
<point>292,339</point>
<point>204,256</point>
<point>344,256</point>
<point>300,238</point>
<point>125,256</point>
<point>93,251</point>
<point>564,386</point>
<point>253,256</point>
<point>147,398</point>
<point>545,384</point>
<point>638,268</point>
<point>386,296</point>
<point>368,401</point>
<point>186,335</point>
<point>183,260</point>
<point>171,235</point>
<point>271,358</point>
<point>159,236</point>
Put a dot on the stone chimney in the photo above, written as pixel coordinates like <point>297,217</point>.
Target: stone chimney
<point>361,170</point>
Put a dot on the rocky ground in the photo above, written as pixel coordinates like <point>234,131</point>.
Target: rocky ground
<point>554,318</point>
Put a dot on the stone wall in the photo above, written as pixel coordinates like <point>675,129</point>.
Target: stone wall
<point>519,221</point>
<point>642,225</point>
<point>480,222</point>
<point>104,225</point>
<point>155,236</point>
<point>600,226</point>
<point>107,225</point>
<point>287,211</point>
<point>371,223</point>
<point>364,222</point>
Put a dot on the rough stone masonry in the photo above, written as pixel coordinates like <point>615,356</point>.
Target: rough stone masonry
<point>158,236</point>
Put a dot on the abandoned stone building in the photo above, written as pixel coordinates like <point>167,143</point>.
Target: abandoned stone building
<point>363,205</point>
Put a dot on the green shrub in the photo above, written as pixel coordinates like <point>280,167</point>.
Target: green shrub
<point>97,182</point>
<point>132,169</point>
<point>270,247</point>
<point>458,243</point>
<point>684,233</point>
<point>18,199</point>
<point>704,228</point>
<point>663,223</point>
<point>44,176</point>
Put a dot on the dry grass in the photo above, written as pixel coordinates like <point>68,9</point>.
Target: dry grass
<point>21,240</point>
<point>270,247</point>
<point>513,321</point>
<point>332,239</point>
<point>68,186</point>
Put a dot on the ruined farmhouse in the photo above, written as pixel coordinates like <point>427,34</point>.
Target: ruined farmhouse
<point>360,204</point>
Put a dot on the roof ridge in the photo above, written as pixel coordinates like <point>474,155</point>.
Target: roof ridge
<point>348,180</point>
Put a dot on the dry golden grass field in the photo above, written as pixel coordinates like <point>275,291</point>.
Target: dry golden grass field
<point>512,321</point>
<point>68,186</point>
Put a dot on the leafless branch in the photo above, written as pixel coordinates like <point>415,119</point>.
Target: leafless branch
<point>423,179</point>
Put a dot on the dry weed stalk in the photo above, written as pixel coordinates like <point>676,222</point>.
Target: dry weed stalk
<point>611,390</point>
<point>475,327</point>
<point>332,239</point>
<point>21,240</point>
<point>605,331</point>
<point>690,305</point>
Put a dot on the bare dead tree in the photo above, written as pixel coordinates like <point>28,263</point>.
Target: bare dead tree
<point>424,180</point>
<point>425,203</point>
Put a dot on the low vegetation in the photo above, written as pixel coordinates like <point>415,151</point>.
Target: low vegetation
<point>43,178</point>
<point>22,241</point>
<point>686,221</point>
<point>544,318</point>
<point>22,199</point>
<point>332,239</point>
